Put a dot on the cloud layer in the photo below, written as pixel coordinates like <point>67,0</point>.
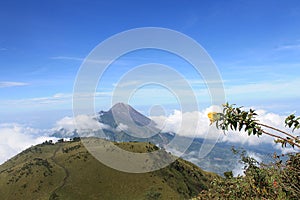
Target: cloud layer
<point>16,137</point>
<point>82,124</point>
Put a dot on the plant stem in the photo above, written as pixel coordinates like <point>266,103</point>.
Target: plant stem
<point>276,129</point>
<point>276,136</point>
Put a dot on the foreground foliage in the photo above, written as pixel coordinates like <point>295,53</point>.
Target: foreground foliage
<point>274,181</point>
<point>278,180</point>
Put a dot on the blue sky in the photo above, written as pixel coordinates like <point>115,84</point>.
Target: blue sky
<point>255,45</point>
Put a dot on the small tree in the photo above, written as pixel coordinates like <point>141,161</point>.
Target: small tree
<point>60,140</point>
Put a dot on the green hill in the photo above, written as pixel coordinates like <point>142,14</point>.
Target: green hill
<point>66,170</point>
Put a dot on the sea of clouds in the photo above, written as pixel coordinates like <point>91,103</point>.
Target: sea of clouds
<point>15,137</point>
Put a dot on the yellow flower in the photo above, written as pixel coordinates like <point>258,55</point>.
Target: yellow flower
<point>213,116</point>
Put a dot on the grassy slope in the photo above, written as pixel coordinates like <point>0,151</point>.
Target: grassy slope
<point>46,172</point>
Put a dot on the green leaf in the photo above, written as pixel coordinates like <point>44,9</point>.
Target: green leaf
<point>250,131</point>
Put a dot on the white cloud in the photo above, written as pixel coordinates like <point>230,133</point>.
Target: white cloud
<point>82,123</point>
<point>239,168</point>
<point>185,123</point>
<point>15,138</point>
<point>122,127</point>
<point>4,84</point>
<point>287,149</point>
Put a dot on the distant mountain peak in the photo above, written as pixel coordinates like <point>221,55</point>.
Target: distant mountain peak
<point>122,123</point>
<point>123,112</point>
<point>120,105</point>
<point>136,124</point>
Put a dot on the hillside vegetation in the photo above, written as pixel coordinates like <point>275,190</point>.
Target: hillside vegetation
<point>66,170</point>
<point>277,180</point>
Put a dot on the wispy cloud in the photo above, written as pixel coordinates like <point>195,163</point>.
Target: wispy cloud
<point>3,49</point>
<point>37,102</point>
<point>5,84</point>
<point>56,100</point>
<point>67,58</point>
<point>274,88</point>
<point>205,82</point>
<point>128,83</point>
<point>80,59</point>
<point>290,46</point>
<point>174,83</point>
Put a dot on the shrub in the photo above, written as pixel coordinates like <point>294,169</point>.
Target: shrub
<point>278,180</point>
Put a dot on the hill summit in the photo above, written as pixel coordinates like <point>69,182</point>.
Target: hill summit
<point>66,170</point>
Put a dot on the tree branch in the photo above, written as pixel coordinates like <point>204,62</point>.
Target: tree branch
<point>276,136</point>
<point>295,138</point>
